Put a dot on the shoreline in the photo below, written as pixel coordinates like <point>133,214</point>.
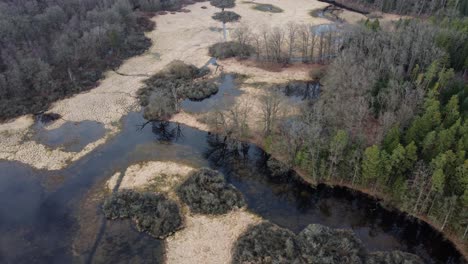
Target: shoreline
<point>300,175</point>
<point>378,197</point>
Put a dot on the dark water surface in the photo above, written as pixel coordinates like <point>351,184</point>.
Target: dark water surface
<point>298,91</point>
<point>71,136</point>
<point>40,224</point>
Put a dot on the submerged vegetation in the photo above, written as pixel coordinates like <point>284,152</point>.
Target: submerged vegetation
<point>152,213</point>
<point>316,244</point>
<point>163,92</point>
<point>206,192</point>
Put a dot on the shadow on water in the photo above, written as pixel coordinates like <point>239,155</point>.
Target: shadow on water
<point>121,243</point>
<point>71,136</point>
<point>228,90</point>
<point>41,227</point>
<point>298,91</point>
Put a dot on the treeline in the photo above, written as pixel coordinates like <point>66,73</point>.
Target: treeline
<point>407,7</point>
<point>290,43</point>
<point>51,49</point>
<point>391,119</point>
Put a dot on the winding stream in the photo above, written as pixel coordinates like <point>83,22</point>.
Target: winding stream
<point>40,213</point>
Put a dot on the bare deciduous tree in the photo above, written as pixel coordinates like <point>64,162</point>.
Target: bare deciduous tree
<point>270,106</point>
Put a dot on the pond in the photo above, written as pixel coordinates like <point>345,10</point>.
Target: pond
<point>45,225</point>
<point>70,136</point>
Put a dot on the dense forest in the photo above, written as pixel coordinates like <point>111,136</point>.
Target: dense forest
<point>406,7</point>
<point>391,118</point>
<point>51,49</point>
<point>395,121</point>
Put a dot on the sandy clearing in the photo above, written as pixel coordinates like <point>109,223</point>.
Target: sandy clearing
<point>208,239</point>
<point>163,176</point>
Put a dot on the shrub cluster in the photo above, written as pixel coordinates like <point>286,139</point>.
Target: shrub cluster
<point>207,192</point>
<point>226,16</point>
<point>266,243</point>
<point>152,213</point>
<point>230,49</point>
<point>320,244</point>
<point>278,170</point>
<point>392,257</point>
<point>162,92</point>
<point>316,244</point>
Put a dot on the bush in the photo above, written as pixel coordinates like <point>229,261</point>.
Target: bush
<point>230,49</point>
<point>179,70</point>
<point>322,245</point>
<point>278,170</point>
<point>393,257</point>
<point>152,213</point>
<point>160,106</point>
<point>198,90</point>
<point>207,192</point>
<point>316,244</point>
<point>266,243</point>
<point>157,96</point>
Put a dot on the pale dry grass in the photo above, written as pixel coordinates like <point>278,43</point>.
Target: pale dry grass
<point>162,176</point>
<point>208,239</point>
